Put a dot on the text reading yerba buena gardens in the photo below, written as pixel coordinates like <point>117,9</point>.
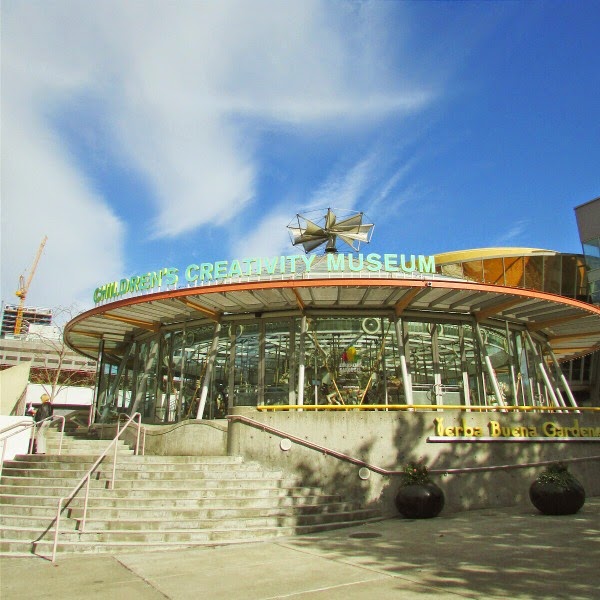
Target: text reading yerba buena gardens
<point>280,265</point>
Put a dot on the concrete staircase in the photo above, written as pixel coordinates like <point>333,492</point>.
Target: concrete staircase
<point>157,502</point>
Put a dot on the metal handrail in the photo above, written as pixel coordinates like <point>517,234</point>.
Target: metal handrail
<point>140,430</point>
<point>24,425</point>
<point>431,407</point>
<point>388,472</point>
<point>86,480</point>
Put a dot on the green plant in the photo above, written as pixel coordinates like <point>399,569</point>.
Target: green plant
<point>415,473</point>
<point>557,474</point>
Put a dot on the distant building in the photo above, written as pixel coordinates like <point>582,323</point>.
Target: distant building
<point>54,368</point>
<point>43,357</point>
<point>588,223</point>
<point>31,316</point>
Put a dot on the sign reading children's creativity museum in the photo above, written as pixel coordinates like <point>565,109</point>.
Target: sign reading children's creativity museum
<point>198,274</point>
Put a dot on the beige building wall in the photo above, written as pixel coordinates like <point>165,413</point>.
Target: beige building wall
<point>13,385</point>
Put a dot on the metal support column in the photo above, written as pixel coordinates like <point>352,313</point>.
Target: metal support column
<point>231,374</point>
<point>403,350</point>
<point>301,359</point>
<point>292,364</point>
<point>464,367</point>
<point>116,381</point>
<point>149,363</point>
<point>438,394</point>
<point>383,364</point>
<point>101,387</point>
<point>488,364</point>
<point>261,362</point>
<point>542,369</point>
<point>209,369</point>
<point>181,375</point>
<point>561,377</point>
<point>512,362</point>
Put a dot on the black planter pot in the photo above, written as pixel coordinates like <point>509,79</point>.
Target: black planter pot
<point>420,500</point>
<point>553,499</point>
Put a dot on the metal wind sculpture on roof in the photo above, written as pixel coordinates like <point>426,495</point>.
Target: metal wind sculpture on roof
<point>347,225</point>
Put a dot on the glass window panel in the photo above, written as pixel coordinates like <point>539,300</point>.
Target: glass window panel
<point>592,248</point>
<point>493,271</point>
<point>534,271</point>
<point>454,270</point>
<point>145,385</point>
<point>196,346</point>
<point>514,271</point>
<point>552,273</point>
<point>585,281</point>
<point>587,367</point>
<point>246,365</point>
<point>569,276</point>
<point>473,270</point>
<point>277,362</point>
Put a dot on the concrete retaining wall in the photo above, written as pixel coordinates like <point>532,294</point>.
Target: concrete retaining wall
<point>188,438</point>
<point>196,438</point>
<point>391,439</point>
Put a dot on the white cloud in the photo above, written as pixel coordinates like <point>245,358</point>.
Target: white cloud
<point>513,234</point>
<point>345,187</point>
<point>269,238</point>
<point>45,195</point>
<point>183,90</point>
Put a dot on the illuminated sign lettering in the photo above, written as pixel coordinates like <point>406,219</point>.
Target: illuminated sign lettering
<point>281,265</point>
<point>495,429</point>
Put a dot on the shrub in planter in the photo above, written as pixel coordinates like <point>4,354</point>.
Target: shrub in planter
<point>557,492</point>
<point>418,496</point>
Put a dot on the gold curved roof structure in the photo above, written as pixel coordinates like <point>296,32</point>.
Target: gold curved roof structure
<point>485,253</point>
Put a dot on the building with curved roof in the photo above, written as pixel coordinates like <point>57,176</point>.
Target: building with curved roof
<point>484,327</point>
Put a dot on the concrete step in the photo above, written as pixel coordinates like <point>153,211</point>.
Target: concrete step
<point>282,518</point>
<point>195,481</point>
<point>27,542</point>
<point>136,478</point>
<point>120,541</point>
<point>214,511</point>
<point>68,440</point>
<point>209,498</point>
<point>125,489</point>
<point>131,460</point>
<point>16,527</point>
<point>37,523</point>
<point>65,480</point>
<point>84,451</point>
<point>49,473</point>
<point>158,502</point>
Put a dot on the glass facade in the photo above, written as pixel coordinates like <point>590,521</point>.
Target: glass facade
<point>591,248</point>
<point>588,223</point>
<point>367,359</point>
<point>563,274</point>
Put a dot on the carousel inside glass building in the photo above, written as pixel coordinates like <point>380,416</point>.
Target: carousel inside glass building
<point>332,330</point>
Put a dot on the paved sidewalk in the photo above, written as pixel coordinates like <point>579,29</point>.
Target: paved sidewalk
<point>494,553</point>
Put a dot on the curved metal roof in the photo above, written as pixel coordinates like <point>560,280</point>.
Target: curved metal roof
<point>572,326</point>
<point>486,253</point>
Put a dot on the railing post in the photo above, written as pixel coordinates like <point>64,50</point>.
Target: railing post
<point>137,441</point>
<point>56,529</point>
<point>114,468</point>
<point>62,434</point>
<point>85,501</point>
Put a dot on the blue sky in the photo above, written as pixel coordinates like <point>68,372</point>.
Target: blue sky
<point>139,135</point>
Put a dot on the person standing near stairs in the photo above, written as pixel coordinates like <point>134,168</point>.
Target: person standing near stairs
<point>41,418</point>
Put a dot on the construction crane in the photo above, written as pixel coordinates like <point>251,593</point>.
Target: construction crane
<point>24,287</point>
